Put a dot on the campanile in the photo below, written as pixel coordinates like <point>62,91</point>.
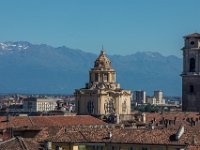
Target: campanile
<point>191,73</point>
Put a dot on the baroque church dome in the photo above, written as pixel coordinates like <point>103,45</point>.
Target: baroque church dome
<point>102,61</point>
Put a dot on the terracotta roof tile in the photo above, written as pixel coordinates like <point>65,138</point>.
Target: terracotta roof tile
<point>141,136</point>
<point>19,143</point>
<point>44,121</point>
<point>192,147</point>
<point>159,135</point>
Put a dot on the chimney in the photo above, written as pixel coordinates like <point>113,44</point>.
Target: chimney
<point>109,135</point>
<point>154,119</point>
<point>179,132</point>
<point>48,145</point>
<point>151,126</point>
<point>8,118</point>
<point>194,141</point>
<point>169,122</point>
<point>143,117</point>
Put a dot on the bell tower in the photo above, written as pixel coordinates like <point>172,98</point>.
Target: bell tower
<point>191,73</point>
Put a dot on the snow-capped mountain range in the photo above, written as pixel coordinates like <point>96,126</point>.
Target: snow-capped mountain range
<point>32,68</point>
<point>9,46</point>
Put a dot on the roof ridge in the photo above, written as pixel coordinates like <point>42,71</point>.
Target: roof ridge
<point>22,143</point>
<point>83,136</point>
<point>30,120</point>
<point>8,140</point>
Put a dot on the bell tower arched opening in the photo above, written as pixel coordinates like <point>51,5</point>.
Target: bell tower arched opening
<point>192,65</point>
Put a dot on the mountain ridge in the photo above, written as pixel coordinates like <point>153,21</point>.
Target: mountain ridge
<point>40,68</point>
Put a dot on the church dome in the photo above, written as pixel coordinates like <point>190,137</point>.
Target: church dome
<point>102,61</point>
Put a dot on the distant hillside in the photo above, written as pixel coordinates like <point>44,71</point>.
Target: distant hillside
<point>28,68</point>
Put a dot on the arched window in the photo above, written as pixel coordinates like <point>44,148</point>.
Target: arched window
<point>90,107</point>
<point>192,65</point>
<point>191,89</point>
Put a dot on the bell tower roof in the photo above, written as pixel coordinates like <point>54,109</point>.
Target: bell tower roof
<point>193,35</point>
<point>102,60</point>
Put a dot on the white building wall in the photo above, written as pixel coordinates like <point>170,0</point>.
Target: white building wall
<point>39,104</point>
<point>159,97</point>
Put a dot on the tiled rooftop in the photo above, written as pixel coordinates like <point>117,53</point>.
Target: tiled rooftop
<point>160,135</point>
<point>68,129</point>
<point>19,144</point>
<point>191,147</point>
<point>139,136</point>
<point>178,116</point>
<point>45,121</point>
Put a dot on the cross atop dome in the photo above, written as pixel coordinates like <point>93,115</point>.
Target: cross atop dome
<point>103,50</point>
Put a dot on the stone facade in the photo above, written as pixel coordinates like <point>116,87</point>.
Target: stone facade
<point>191,73</point>
<point>102,95</point>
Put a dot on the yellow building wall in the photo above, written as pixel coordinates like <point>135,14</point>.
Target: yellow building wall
<point>108,146</point>
<point>63,145</point>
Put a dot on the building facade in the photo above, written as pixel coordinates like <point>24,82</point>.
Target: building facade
<point>158,96</point>
<point>151,100</point>
<point>102,95</point>
<point>139,97</point>
<point>34,104</point>
<point>191,73</point>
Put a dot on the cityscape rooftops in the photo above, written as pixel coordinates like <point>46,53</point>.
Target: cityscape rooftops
<point>46,121</point>
<point>125,136</point>
<point>19,143</point>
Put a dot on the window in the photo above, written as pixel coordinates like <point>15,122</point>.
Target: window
<point>96,77</point>
<point>191,89</point>
<point>90,107</point>
<point>105,77</point>
<point>99,147</point>
<point>82,147</point>
<point>57,147</point>
<point>192,65</point>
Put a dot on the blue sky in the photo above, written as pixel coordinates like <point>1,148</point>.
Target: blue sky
<point>122,26</point>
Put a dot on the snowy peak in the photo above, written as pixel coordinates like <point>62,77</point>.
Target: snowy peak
<point>10,46</point>
<point>148,54</point>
